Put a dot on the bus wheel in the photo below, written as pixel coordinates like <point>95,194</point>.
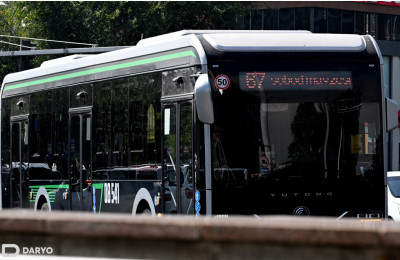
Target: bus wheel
<point>143,203</point>
<point>45,207</point>
<point>146,212</point>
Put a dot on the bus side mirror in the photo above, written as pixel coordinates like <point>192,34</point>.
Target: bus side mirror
<point>203,99</point>
<point>392,120</point>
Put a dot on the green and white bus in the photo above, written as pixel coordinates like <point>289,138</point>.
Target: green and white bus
<point>204,123</point>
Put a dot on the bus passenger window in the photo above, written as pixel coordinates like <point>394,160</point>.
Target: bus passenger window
<point>370,138</point>
<point>35,142</point>
<point>356,144</point>
<point>146,175</point>
<point>364,143</point>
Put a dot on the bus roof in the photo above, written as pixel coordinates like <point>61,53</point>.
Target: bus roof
<point>174,35</point>
<point>258,40</point>
<point>225,41</point>
<point>286,42</point>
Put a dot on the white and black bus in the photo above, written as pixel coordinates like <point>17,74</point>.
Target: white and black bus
<point>202,122</point>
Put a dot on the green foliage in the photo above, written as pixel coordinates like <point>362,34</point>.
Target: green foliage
<point>7,65</point>
<point>115,23</point>
<point>164,17</point>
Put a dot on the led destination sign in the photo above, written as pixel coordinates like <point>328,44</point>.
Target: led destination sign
<point>296,80</point>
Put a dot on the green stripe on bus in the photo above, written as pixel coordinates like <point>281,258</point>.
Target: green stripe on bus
<point>99,186</point>
<point>61,186</point>
<point>103,69</point>
<point>51,191</point>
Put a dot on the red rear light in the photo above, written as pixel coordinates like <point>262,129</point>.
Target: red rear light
<point>167,196</point>
<point>398,117</point>
<point>189,193</point>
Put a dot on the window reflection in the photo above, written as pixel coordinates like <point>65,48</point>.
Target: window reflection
<point>323,20</point>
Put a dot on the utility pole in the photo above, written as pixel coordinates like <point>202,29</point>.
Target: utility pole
<point>20,58</point>
<point>24,62</point>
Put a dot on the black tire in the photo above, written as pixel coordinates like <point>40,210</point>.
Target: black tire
<point>146,212</point>
<point>45,207</point>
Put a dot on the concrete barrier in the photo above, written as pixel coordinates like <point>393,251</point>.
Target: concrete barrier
<point>123,236</point>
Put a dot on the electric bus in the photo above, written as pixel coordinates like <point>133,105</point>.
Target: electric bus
<point>203,123</point>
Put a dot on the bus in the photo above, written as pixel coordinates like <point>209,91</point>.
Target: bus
<point>202,122</point>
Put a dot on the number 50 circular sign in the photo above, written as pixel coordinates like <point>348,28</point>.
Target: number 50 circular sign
<point>222,82</point>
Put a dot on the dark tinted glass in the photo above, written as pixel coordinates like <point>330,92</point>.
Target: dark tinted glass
<point>5,133</point>
<point>396,28</point>
<point>333,21</point>
<point>320,20</point>
<point>302,21</point>
<point>81,96</point>
<point>360,23</point>
<point>286,19</point>
<point>60,133</point>
<point>384,27</point>
<point>102,155</point>
<point>119,174</point>
<point>371,24</point>
<point>119,121</point>
<point>145,120</point>
<point>347,21</point>
<point>287,148</point>
<point>256,20</point>
<point>126,122</point>
<point>271,19</point>
<point>146,175</point>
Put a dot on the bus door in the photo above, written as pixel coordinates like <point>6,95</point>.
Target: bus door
<point>80,125</point>
<point>19,162</point>
<point>178,157</point>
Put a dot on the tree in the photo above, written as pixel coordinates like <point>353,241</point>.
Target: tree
<point>7,27</point>
<point>165,17</point>
<point>115,23</point>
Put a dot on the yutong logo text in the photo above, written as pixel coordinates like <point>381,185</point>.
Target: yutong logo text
<point>11,250</point>
<point>298,194</point>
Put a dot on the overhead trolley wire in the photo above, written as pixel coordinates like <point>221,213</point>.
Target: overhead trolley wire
<point>38,39</point>
<point>19,45</point>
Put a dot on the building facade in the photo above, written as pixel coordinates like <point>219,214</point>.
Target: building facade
<point>381,19</point>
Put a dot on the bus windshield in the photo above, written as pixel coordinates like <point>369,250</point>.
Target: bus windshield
<point>296,141</point>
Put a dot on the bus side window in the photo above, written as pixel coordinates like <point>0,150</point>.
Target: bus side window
<point>147,175</point>
<point>34,136</point>
<point>59,158</point>
<point>370,138</point>
<point>102,126</point>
